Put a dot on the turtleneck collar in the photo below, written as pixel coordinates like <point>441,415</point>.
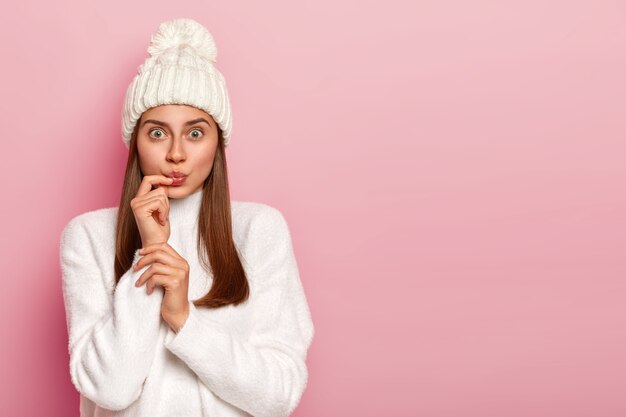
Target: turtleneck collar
<point>185,210</point>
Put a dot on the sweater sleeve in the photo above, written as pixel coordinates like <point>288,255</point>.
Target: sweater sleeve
<point>113,333</point>
<point>266,374</point>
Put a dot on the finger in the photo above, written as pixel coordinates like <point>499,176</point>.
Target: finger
<point>168,282</point>
<point>149,181</point>
<point>161,193</point>
<point>158,193</point>
<point>156,204</point>
<point>166,260</point>
<point>164,246</point>
<point>155,269</point>
<point>159,256</point>
<point>156,280</point>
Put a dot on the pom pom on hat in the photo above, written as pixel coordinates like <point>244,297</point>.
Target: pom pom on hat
<point>179,70</point>
<point>182,31</point>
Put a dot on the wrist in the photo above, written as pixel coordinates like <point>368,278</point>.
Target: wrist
<point>179,323</point>
<point>148,243</point>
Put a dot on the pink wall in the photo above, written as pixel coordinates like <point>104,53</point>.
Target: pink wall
<point>453,175</point>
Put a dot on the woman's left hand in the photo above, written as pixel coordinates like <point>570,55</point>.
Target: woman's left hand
<point>171,271</point>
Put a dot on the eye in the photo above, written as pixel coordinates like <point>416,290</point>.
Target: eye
<point>156,130</point>
<point>196,136</point>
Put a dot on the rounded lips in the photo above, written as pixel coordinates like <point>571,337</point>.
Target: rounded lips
<point>176,174</point>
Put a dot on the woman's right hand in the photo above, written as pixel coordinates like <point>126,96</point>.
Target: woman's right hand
<point>151,209</point>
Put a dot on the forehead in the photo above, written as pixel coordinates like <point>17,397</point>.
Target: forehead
<point>175,113</point>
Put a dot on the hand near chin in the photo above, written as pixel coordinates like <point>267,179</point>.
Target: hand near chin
<point>171,271</point>
<point>151,209</point>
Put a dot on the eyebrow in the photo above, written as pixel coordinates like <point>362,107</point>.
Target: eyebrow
<point>190,122</point>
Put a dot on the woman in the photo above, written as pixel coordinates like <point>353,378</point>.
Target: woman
<point>181,302</point>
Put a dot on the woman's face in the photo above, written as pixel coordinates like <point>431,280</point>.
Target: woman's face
<point>177,137</point>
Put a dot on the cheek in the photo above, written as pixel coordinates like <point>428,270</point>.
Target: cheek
<point>149,158</point>
<point>204,162</point>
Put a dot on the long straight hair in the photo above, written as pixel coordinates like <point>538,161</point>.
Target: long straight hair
<point>214,240</point>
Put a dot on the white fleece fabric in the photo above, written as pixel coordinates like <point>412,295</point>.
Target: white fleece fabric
<point>243,360</point>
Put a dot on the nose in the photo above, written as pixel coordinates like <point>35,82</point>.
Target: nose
<point>176,152</point>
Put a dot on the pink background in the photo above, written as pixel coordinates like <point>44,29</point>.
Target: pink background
<point>452,174</point>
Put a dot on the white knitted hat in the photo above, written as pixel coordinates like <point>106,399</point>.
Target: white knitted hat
<point>179,70</point>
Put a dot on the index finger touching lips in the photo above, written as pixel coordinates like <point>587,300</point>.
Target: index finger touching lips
<point>150,180</point>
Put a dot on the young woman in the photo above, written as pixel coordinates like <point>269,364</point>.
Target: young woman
<point>181,302</point>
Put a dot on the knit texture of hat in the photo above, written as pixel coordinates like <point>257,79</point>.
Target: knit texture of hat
<point>179,70</point>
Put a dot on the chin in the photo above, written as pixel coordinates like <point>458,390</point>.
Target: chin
<point>177,191</point>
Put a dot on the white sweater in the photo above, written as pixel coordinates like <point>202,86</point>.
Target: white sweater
<point>125,360</point>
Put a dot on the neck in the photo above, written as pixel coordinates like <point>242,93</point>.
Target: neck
<point>185,210</point>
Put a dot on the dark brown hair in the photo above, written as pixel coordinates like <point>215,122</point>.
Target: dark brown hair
<point>215,241</point>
